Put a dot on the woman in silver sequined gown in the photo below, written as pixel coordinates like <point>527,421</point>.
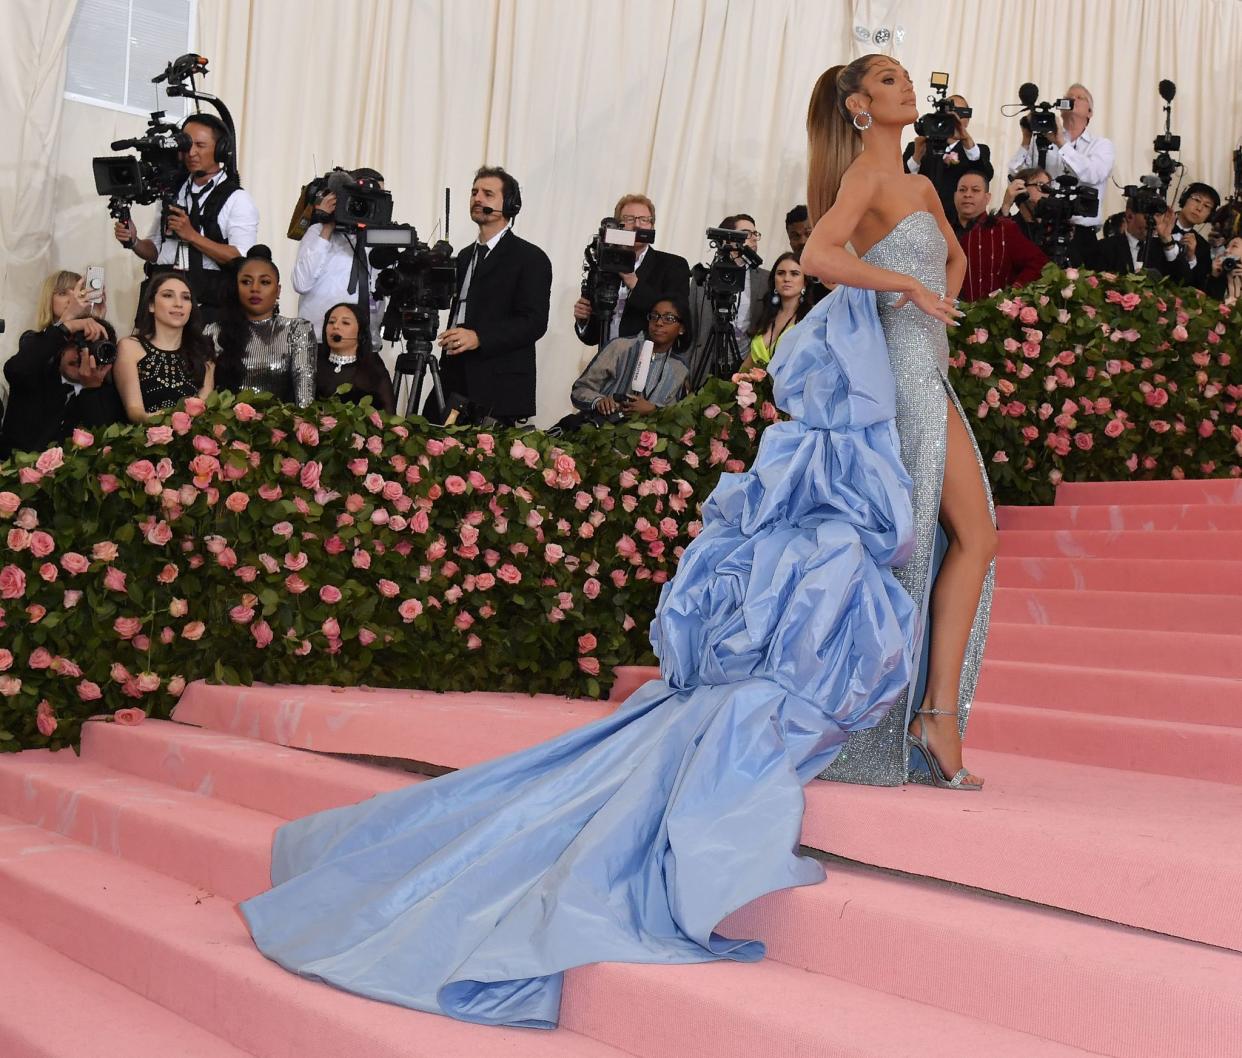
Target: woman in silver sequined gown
<point>256,347</point>
<point>913,262</point>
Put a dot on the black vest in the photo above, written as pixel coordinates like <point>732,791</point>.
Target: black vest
<point>208,284</point>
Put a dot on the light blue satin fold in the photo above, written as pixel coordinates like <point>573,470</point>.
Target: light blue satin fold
<point>630,839</point>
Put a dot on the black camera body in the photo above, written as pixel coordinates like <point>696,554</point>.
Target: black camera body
<point>1040,118</point>
<point>418,280</point>
<point>359,203</point>
<point>725,278</point>
<point>1147,196</point>
<point>940,125</point>
<point>612,253</point>
<point>1229,264</point>
<point>102,349</point>
<point>1065,199</point>
<point>154,173</point>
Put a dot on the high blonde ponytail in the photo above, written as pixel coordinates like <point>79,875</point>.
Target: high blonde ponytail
<point>833,142</point>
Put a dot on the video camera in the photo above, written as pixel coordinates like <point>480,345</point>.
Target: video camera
<point>1041,118</point>
<point>360,203</point>
<point>940,125</point>
<point>1065,199</point>
<point>725,278</point>
<point>417,279</point>
<point>1151,194</point>
<point>612,253</point>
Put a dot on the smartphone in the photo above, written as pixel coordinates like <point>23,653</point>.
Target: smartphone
<point>95,289</point>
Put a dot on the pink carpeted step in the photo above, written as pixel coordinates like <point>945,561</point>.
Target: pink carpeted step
<point>1193,751</point>
<point>1106,988</point>
<point>1110,692</point>
<point>347,719</point>
<point>812,935</point>
<point>51,1007</point>
<point>1128,649</point>
<point>1152,851</point>
<point>1155,544</point>
<point>268,778</point>
<point>1180,576</point>
<point>1065,607</point>
<point>223,848</point>
<point>1207,490</point>
<point>188,951</point>
<point>1135,516</point>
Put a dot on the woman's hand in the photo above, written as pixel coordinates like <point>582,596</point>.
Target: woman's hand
<point>77,305</point>
<point>92,330</point>
<point>935,305</point>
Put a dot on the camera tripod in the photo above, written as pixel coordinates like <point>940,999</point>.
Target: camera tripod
<point>412,369</point>
<point>721,355</point>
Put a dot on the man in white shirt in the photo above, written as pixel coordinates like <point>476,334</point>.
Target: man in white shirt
<point>328,264</point>
<point>214,220</point>
<point>1072,149</point>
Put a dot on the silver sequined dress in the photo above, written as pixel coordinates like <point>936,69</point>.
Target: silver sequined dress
<point>279,359</point>
<point>918,350</point>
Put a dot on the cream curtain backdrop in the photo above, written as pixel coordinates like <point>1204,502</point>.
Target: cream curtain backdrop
<point>698,103</point>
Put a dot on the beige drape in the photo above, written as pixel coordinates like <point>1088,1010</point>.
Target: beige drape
<point>699,103</point>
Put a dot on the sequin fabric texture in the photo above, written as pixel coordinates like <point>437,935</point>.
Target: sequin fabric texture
<point>163,377</point>
<point>279,358</point>
<point>918,350</point>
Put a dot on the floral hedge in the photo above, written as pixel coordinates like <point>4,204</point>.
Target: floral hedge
<point>250,541</point>
<point>1085,377</point>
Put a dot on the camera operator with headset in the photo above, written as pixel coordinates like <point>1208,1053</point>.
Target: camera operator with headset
<point>1070,148</point>
<point>213,220</point>
<point>1144,243</point>
<point>942,167</point>
<point>755,283</point>
<point>328,264</point>
<point>1196,206</point>
<point>655,273</point>
<point>59,378</point>
<point>500,311</point>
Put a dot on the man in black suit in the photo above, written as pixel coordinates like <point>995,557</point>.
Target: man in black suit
<point>56,385</point>
<point>1195,207</point>
<point>1131,250</point>
<point>501,310</point>
<point>655,274</point>
<point>944,169</point>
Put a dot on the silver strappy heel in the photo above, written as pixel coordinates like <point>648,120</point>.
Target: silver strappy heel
<point>958,782</point>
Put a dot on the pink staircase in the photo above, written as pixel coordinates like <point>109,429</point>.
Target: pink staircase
<point>1087,902</point>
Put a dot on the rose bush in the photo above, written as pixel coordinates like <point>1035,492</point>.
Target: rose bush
<point>253,541</point>
<point>1085,377</point>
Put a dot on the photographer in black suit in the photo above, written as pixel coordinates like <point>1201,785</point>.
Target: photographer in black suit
<point>943,169</point>
<point>1195,207</point>
<point>655,274</point>
<point>504,285</point>
<point>56,384</point>
<point>1132,250</point>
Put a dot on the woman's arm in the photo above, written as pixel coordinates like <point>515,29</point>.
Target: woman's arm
<point>209,381</point>
<point>125,375</point>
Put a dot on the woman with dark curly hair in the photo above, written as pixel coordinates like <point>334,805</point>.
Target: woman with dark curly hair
<point>256,347</point>
<point>168,358</point>
<point>785,304</point>
<point>347,359</point>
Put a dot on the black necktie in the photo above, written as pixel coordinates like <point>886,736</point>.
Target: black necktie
<point>481,255</point>
<point>196,203</point>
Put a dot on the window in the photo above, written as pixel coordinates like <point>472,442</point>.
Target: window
<point>117,46</point>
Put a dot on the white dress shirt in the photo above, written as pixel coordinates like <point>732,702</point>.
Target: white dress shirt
<point>1136,250</point>
<point>458,317</point>
<point>971,153</point>
<point>238,220</point>
<point>321,276</point>
<point>1090,158</point>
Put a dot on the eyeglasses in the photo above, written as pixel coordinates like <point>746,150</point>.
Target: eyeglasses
<point>1044,188</point>
<point>756,235</point>
<point>665,317</point>
<point>630,218</point>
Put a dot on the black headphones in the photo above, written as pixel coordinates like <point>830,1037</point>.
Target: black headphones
<point>511,202</point>
<point>1198,188</point>
<point>224,141</point>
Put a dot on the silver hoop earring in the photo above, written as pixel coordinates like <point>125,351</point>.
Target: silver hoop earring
<point>863,114</point>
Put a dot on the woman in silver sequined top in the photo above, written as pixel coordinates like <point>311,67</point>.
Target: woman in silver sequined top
<point>256,347</point>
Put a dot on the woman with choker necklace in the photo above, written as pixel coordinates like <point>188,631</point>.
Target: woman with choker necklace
<point>347,359</point>
<point>168,358</point>
<point>256,347</point>
<point>786,303</point>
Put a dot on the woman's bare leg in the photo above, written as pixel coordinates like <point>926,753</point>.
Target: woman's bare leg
<point>955,597</point>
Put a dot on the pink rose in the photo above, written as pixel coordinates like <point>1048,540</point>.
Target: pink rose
<point>18,540</point>
<point>9,502</point>
<point>45,719</point>
<point>589,665</point>
<point>237,502</point>
<point>454,484</point>
<point>296,563</point>
<point>330,594</point>
<point>12,583</point>
<point>127,627</point>
<point>6,659</point>
<point>88,691</point>
<point>553,553</point>
<point>244,412</point>
<point>586,643</point>
<point>310,475</point>
<point>1114,428</point>
<point>82,438</point>
<point>73,563</point>
<point>409,610</point>
<point>306,434</point>
<point>591,588</point>
<point>463,621</point>
<point>241,614</point>
<point>129,717</point>
<point>159,435</point>
<point>41,544</point>
<point>284,529</point>
<point>51,460</point>
<point>143,470</point>
<point>389,589</point>
<point>114,579</point>
<point>366,637</point>
<point>193,631</point>
<point>176,686</point>
<point>105,551</point>
<point>262,633</point>
<point>159,534</point>
<point>40,658</point>
<point>509,573</point>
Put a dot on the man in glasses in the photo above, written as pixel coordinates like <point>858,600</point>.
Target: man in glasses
<point>1195,207</point>
<point>1025,190</point>
<point>754,289</point>
<point>655,273</point>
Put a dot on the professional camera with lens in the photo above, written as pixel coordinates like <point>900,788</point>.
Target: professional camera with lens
<point>725,278</point>
<point>102,349</point>
<point>1040,118</point>
<point>418,280</point>
<point>940,125</point>
<point>1065,199</point>
<point>154,173</point>
<point>611,254</point>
